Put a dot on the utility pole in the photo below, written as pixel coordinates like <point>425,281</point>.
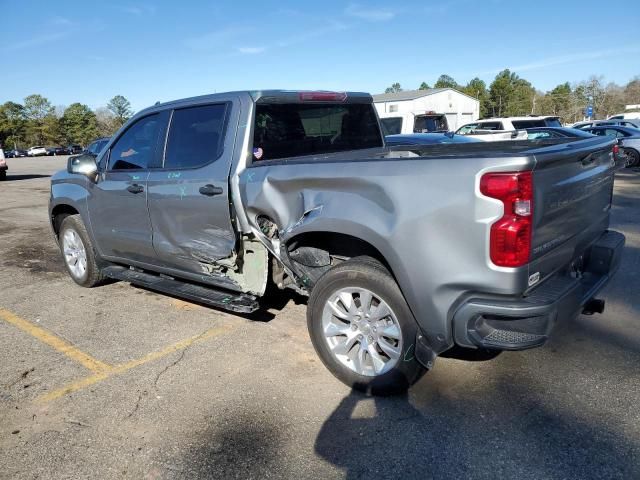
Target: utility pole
<point>533,107</point>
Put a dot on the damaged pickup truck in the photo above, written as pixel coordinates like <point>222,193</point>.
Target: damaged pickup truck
<point>405,252</point>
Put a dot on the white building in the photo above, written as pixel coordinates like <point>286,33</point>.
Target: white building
<point>458,107</point>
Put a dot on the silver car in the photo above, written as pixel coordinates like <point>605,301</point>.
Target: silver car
<point>628,140</point>
<point>620,122</point>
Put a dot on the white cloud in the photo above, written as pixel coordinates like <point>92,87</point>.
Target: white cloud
<point>564,59</point>
<point>251,50</point>
<point>334,26</point>
<point>139,10</point>
<point>215,39</point>
<point>34,41</point>
<point>60,21</point>
<point>369,14</point>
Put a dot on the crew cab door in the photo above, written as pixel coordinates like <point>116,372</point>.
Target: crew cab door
<point>118,200</point>
<point>189,196</point>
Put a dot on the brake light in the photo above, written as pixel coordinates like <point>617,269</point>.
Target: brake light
<point>510,238</point>
<point>323,96</point>
<point>615,150</point>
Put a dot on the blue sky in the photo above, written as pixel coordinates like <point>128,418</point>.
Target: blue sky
<point>148,51</point>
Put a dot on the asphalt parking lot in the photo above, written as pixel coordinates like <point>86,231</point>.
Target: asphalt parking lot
<point>121,382</point>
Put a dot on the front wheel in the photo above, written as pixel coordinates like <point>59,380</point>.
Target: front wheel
<point>77,252</point>
<point>362,329</point>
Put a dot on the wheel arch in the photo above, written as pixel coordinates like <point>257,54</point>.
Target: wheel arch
<point>59,213</point>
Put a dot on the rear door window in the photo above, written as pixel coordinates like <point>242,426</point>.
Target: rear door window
<point>284,130</point>
<point>490,126</point>
<point>196,136</point>
<point>612,132</point>
<point>392,125</point>
<point>520,124</point>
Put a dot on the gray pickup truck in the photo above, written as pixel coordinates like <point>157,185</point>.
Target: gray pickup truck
<point>405,252</point>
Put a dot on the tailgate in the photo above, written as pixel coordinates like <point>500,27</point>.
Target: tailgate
<point>573,191</point>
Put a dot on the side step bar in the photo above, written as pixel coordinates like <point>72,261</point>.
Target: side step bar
<point>233,301</point>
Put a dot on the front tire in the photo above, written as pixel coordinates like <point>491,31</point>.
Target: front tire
<point>78,254</point>
<point>362,328</point>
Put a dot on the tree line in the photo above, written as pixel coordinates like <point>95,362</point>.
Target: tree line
<point>37,122</point>
<point>510,95</point>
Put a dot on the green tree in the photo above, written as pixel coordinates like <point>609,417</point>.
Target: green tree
<point>121,109</point>
<point>36,109</point>
<point>12,125</point>
<point>393,88</point>
<point>107,124</point>
<point>424,86</point>
<point>79,124</point>
<point>52,130</point>
<point>445,81</point>
<point>510,95</point>
<point>476,88</point>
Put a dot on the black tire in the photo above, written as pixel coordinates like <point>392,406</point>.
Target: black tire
<point>366,273</point>
<point>633,158</point>
<point>3,175</point>
<point>93,275</point>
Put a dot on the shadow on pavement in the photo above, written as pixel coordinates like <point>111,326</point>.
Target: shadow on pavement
<point>11,178</point>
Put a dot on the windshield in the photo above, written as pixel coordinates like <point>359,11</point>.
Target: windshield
<point>391,126</point>
<point>284,130</point>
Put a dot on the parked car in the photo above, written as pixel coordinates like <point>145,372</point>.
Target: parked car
<point>509,124</point>
<point>95,147</point>
<point>628,140</point>
<point>403,254</point>
<point>633,123</point>
<point>427,139</point>
<point>3,166</point>
<point>556,132</point>
<point>57,151</point>
<point>36,151</point>
<point>73,149</point>
<point>15,153</point>
<point>407,123</point>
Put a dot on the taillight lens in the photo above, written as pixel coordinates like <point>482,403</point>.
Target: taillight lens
<point>322,96</point>
<point>510,241</point>
<point>616,149</point>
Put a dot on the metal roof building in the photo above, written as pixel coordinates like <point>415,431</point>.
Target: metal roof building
<point>458,107</point>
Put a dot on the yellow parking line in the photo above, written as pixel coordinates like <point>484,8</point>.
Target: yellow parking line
<point>87,361</point>
<point>85,382</point>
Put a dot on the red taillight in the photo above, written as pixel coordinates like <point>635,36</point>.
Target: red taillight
<point>615,150</point>
<point>510,242</point>
<point>323,96</point>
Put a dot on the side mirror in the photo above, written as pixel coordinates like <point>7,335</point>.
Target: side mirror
<point>83,165</point>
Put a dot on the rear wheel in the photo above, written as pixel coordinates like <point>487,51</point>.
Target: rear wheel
<point>633,158</point>
<point>3,175</point>
<point>362,328</point>
<point>78,254</point>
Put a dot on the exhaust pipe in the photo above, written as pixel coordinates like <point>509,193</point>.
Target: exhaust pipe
<point>595,305</point>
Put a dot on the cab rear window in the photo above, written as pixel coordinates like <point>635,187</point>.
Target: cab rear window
<point>285,130</point>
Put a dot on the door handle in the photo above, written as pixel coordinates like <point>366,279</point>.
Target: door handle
<point>135,188</point>
<point>210,190</point>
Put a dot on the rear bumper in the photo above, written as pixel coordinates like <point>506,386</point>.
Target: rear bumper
<point>518,323</point>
